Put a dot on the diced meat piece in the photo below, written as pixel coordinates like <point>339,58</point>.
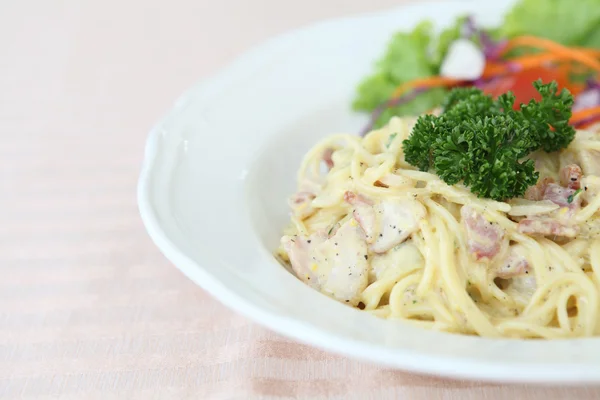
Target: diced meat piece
<point>386,223</point>
<point>397,221</point>
<point>327,154</point>
<point>547,227</point>
<point>484,238</point>
<point>570,176</point>
<point>363,213</point>
<point>337,266</point>
<point>517,275</point>
<point>559,222</point>
<point>537,191</point>
<point>300,203</point>
<point>404,257</point>
<point>561,196</point>
<point>343,264</point>
<point>514,264</point>
<point>299,250</point>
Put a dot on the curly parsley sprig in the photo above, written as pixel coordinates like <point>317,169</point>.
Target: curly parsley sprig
<point>482,142</point>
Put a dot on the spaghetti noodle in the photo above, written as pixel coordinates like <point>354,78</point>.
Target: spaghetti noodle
<point>371,231</point>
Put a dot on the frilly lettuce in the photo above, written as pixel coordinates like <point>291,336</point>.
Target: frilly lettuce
<point>409,56</point>
<point>572,23</point>
<point>419,53</point>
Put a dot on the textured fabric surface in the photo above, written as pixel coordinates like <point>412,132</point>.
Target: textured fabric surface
<point>88,306</point>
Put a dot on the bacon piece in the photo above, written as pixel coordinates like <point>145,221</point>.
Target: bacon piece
<point>484,238</point>
<point>560,195</point>
<point>299,251</point>
<point>559,222</point>
<point>537,191</point>
<point>363,213</point>
<point>337,266</point>
<point>517,275</point>
<point>546,227</point>
<point>514,265</point>
<point>570,176</point>
<point>344,264</point>
<point>327,157</point>
<point>300,203</point>
<point>386,223</point>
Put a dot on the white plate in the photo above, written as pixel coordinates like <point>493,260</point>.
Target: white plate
<point>221,165</point>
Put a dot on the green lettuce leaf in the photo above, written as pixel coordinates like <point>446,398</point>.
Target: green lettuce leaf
<point>572,23</point>
<point>409,56</point>
<point>593,40</point>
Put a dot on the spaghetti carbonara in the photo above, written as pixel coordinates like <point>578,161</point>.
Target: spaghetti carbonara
<point>373,232</point>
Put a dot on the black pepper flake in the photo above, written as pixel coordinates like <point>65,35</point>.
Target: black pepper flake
<point>308,241</point>
<point>347,301</point>
<point>526,272</point>
<point>337,254</point>
<point>585,188</point>
<point>336,243</point>
<point>366,257</point>
<point>394,227</point>
<point>381,235</point>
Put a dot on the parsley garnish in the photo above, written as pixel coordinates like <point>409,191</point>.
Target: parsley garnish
<point>572,196</point>
<point>483,142</point>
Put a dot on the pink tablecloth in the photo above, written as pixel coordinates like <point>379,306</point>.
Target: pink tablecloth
<point>88,306</point>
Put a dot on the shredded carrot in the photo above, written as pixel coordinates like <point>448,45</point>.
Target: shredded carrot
<point>590,52</point>
<point>583,57</point>
<point>582,115</point>
<point>526,62</point>
<point>429,82</point>
<point>564,59</point>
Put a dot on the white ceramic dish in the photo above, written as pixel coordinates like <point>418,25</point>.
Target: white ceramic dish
<point>220,166</point>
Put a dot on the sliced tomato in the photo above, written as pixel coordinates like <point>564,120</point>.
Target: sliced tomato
<point>521,83</point>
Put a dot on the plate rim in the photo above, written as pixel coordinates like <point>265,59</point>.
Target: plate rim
<point>412,361</point>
